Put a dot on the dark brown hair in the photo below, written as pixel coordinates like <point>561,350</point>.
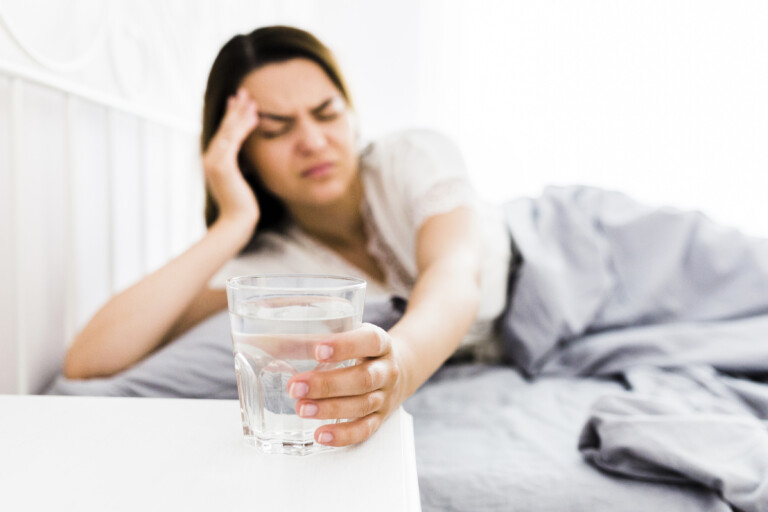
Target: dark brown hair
<point>236,59</point>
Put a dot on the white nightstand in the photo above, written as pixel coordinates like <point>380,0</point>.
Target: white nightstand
<point>114,454</point>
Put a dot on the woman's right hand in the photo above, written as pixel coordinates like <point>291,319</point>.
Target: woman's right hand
<point>233,195</point>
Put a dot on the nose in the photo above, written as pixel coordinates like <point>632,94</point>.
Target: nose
<point>311,137</point>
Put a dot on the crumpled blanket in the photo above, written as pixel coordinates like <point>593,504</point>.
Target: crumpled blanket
<point>670,301</point>
<point>685,425</point>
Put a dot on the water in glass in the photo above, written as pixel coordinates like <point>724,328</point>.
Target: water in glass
<point>273,339</point>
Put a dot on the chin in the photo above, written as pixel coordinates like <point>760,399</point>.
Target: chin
<point>330,191</point>
<point>324,194</point>
<point>328,198</point>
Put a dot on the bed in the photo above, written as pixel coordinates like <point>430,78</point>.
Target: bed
<point>636,344</point>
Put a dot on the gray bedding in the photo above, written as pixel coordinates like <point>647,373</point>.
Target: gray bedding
<point>638,346</point>
<point>488,439</point>
<point>684,425</point>
<point>667,301</point>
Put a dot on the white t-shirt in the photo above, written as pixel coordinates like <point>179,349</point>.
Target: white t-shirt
<point>407,177</point>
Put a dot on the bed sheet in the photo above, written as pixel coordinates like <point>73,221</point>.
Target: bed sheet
<point>487,439</point>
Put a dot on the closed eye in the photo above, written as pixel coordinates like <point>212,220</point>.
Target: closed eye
<point>328,117</point>
<point>271,135</point>
<point>325,117</point>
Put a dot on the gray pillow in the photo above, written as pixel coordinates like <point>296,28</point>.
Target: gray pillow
<point>198,364</point>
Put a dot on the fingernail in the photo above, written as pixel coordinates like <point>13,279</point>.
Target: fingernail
<point>325,438</point>
<point>298,389</point>
<point>307,410</point>
<point>323,352</point>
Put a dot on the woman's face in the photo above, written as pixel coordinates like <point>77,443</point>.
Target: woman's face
<point>304,146</point>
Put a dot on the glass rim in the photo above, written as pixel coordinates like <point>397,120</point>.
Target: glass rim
<point>350,283</point>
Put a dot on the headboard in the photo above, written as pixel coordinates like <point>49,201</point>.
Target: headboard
<point>100,178</point>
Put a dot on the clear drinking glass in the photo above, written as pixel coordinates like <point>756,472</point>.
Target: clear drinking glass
<point>276,321</point>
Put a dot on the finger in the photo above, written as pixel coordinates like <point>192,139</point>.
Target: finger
<point>366,341</point>
<point>240,117</point>
<point>356,380</point>
<point>349,432</point>
<point>243,103</point>
<point>340,408</point>
<point>237,104</point>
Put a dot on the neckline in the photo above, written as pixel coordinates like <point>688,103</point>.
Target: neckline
<point>295,231</point>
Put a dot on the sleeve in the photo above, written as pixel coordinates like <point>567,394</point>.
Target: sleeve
<point>429,172</point>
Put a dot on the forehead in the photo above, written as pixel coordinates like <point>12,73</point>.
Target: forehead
<point>286,87</point>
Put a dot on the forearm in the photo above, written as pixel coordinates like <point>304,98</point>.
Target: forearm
<point>136,321</point>
<point>440,312</point>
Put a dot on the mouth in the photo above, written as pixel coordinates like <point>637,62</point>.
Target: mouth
<point>318,171</point>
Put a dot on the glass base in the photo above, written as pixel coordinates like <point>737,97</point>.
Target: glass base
<point>274,445</point>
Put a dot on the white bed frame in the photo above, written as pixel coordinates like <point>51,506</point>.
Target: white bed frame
<point>97,188</point>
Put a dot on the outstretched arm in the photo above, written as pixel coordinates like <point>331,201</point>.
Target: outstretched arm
<point>395,364</point>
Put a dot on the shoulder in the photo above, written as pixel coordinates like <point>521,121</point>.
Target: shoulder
<point>415,157</point>
<point>413,175</point>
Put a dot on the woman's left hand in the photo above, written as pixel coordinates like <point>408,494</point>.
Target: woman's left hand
<point>366,393</point>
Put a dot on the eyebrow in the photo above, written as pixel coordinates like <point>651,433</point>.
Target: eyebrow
<point>288,119</point>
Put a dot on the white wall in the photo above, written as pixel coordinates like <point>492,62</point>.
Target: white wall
<point>100,104</point>
<point>663,99</point>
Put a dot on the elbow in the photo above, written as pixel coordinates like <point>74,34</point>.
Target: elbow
<point>73,369</point>
<point>80,365</point>
<point>84,359</point>
<point>76,365</point>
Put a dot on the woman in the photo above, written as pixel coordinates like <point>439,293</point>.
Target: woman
<point>288,190</point>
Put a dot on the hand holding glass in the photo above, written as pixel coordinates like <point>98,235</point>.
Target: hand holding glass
<point>276,320</point>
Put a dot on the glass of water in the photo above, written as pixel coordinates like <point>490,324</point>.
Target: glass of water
<point>276,321</point>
